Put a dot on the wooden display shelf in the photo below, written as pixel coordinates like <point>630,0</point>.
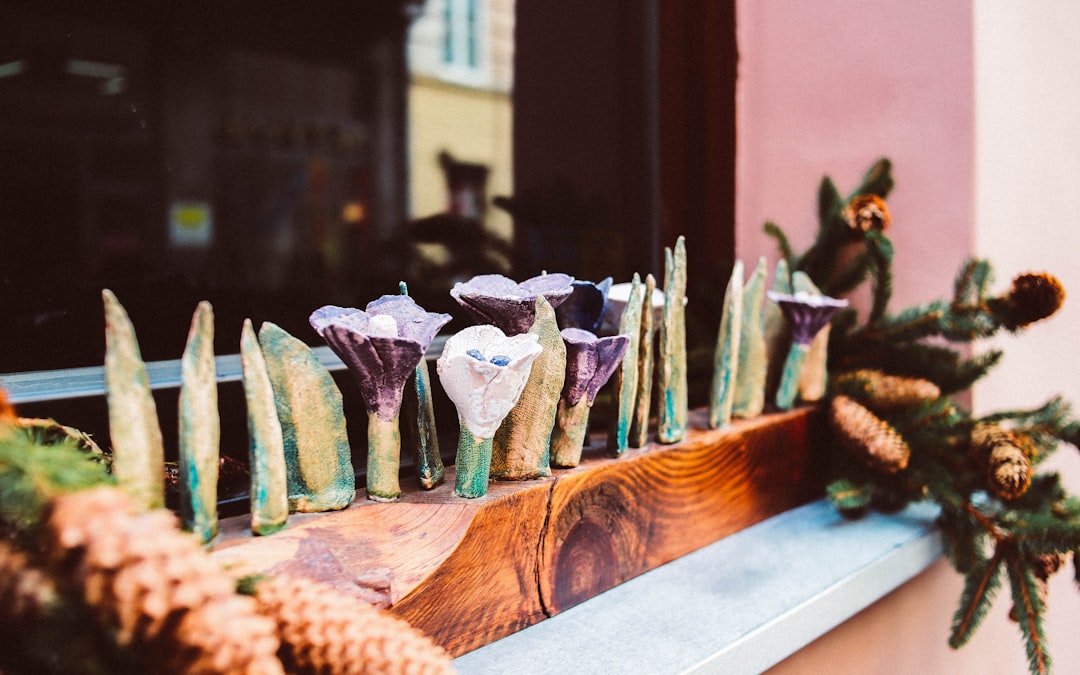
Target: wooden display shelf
<point>467,572</point>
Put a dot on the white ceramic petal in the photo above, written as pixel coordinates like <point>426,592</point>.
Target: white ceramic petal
<point>482,391</point>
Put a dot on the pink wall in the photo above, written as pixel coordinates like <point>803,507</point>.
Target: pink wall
<point>826,87</point>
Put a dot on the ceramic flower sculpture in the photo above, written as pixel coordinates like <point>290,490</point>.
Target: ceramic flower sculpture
<point>522,446</point>
<point>590,362</point>
<point>586,306</point>
<point>814,377</point>
<point>501,301</point>
<point>382,346</point>
<point>806,315</point>
<point>484,373</point>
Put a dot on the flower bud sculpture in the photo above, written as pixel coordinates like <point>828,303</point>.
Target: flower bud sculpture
<point>586,306</point>
<point>590,362</point>
<point>483,372</point>
<point>522,447</point>
<point>381,345</point>
<point>806,315</point>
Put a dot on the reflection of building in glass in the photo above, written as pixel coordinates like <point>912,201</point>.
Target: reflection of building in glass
<point>460,59</point>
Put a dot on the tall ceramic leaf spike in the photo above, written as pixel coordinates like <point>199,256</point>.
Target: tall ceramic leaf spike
<point>726,355</point>
<point>753,354</point>
<point>318,458</point>
<point>418,427</point>
<point>522,445</point>
<point>200,427</point>
<point>639,426</point>
<point>137,448</point>
<point>626,377</point>
<point>674,407</point>
<point>269,494</point>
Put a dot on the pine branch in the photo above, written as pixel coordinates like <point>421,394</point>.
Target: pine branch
<point>849,498</point>
<point>980,587</point>
<point>32,474</point>
<point>782,243</point>
<point>1029,611</point>
<point>880,250</point>
<point>877,180</point>
<point>853,274</point>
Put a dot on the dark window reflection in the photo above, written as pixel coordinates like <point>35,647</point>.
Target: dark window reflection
<point>251,154</point>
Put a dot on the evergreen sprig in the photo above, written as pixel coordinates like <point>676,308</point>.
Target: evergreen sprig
<point>956,459</point>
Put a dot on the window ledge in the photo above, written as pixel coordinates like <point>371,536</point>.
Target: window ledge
<point>739,605</point>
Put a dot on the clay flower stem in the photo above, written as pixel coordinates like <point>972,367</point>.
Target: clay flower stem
<point>383,458</point>
<point>572,421</point>
<point>789,377</point>
<point>472,464</point>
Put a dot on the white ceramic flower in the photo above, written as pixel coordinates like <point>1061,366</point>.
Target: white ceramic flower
<point>484,372</point>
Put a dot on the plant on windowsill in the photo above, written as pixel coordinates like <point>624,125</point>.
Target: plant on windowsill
<point>902,437</point>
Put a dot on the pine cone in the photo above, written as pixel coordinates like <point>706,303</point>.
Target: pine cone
<point>323,631</point>
<point>865,213</point>
<point>1008,471</point>
<point>166,599</point>
<point>1007,462</point>
<point>881,391</point>
<point>868,437</point>
<point>1032,297</point>
<point>26,592</point>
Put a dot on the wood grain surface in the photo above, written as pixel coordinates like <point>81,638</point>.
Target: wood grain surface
<point>469,571</point>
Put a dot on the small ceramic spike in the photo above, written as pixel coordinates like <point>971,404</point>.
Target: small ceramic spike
<point>199,428</point>
<point>138,454</point>
<point>269,494</point>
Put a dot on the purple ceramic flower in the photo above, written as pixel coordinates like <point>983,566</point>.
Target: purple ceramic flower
<point>590,362</point>
<point>807,314</point>
<point>500,301</point>
<point>381,345</point>
<point>585,307</point>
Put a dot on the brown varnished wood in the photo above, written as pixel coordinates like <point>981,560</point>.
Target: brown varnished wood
<point>468,572</point>
<point>615,519</point>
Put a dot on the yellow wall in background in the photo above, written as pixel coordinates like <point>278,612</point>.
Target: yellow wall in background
<point>473,125</point>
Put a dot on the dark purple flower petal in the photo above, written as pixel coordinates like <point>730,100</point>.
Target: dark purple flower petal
<point>499,301</point>
<point>585,307</point>
<point>380,366</point>
<point>807,314</point>
<point>590,362</point>
<point>381,346</point>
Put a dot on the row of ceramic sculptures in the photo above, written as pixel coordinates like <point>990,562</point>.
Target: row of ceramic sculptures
<point>523,380</point>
